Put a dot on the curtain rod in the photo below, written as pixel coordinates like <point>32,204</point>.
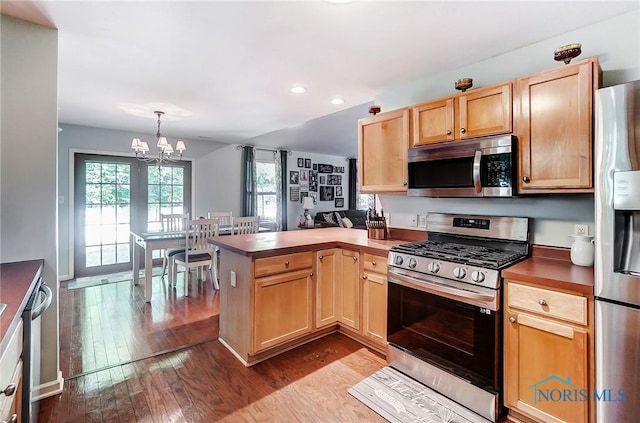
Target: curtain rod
<point>240,147</point>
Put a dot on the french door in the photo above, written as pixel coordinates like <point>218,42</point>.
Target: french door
<point>114,195</point>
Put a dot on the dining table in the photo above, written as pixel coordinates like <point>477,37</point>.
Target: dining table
<point>159,240</point>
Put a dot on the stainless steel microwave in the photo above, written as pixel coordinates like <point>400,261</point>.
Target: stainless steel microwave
<point>476,168</point>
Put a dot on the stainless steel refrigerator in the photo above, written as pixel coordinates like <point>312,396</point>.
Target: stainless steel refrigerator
<point>617,246</point>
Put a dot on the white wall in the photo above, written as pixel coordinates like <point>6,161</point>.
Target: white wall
<point>616,42</point>
<point>28,208</point>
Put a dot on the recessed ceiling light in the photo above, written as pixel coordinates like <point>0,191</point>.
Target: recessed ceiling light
<point>337,100</point>
<point>298,89</point>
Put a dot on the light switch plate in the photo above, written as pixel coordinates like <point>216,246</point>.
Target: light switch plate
<point>233,279</point>
<point>423,221</point>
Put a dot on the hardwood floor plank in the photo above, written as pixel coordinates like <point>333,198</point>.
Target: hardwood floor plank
<point>180,374</point>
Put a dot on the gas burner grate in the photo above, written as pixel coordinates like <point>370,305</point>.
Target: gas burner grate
<point>461,253</point>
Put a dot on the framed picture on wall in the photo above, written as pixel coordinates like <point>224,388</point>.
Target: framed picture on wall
<point>314,195</point>
<point>325,168</point>
<point>326,193</point>
<point>323,180</point>
<point>339,202</point>
<point>313,180</point>
<point>293,177</point>
<point>300,162</point>
<point>294,194</point>
<point>339,191</point>
<point>303,194</point>
<point>307,163</point>
<point>315,166</point>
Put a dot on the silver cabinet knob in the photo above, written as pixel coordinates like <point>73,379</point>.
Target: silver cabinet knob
<point>320,257</point>
<point>286,263</point>
<point>310,273</point>
<point>512,319</point>
<point>373,263</point>
<point>9,390</point>
<point>405,183</point>
<point>463,131</point>
<point>364,276</point>
<point>526,179</point>
<point>355,258</point>
<point>542,302</point>
<point>448,131</point>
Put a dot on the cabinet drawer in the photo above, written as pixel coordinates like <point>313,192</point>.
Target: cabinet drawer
<point>376,264</point>
<point>11,356</point>
<point>285,263</point>
<point>572,308</point>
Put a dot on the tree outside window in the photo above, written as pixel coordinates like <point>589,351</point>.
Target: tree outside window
<point>266,190</point>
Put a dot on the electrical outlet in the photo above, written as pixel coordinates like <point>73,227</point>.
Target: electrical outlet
<point>414,220</point>
<point>423,221</point>
<point>581,229</point>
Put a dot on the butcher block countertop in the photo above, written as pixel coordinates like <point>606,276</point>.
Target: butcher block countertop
<point>17,281</point>
<point>276,243</point>
<point>551,267</point>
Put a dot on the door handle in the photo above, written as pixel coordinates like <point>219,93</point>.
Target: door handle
<point>477,183</point>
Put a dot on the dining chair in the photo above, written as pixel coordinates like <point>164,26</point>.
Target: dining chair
<point>246,225</point>
<point>172,222</point>
<point>225,218</point>
<point>198,253</point>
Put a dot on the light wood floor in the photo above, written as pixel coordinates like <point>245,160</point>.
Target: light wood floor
<point>127,361</point>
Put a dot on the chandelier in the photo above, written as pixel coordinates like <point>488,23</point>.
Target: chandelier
<point>165,149</point>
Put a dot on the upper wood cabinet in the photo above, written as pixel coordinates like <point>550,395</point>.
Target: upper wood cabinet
<point>383,141</point>
<point>554,125</point>
<point>476,113</point>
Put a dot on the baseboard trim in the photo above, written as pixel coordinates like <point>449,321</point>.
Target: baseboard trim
<point>48,389</point>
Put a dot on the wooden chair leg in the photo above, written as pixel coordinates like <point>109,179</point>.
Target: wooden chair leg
<point>186,281</point>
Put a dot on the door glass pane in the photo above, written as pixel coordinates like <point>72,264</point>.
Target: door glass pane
<point>107,213</point>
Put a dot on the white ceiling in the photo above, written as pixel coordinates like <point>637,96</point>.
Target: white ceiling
<point>232,64</point>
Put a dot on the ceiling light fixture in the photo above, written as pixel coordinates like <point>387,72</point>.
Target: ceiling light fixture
<point>298,89</point>
<point>164,148</point>
<point>337,100</point>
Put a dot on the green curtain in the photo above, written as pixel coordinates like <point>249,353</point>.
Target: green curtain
<point>283,189</point>
<point>353,183</point>
<point>248,181</point>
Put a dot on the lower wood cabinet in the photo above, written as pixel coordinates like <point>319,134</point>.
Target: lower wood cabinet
<point>349,289</point>
<point>374,299</point>
<point>327,288</point>
<point>548,348</point>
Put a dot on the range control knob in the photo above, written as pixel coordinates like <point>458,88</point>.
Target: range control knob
<point>398,260</point>
<point>477,276</point>
<point>412,263</point>
<point>459,272</point>
<point>433,267</point>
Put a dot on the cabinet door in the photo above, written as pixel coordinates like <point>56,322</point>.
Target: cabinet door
<point>374,307</point>
<point>283,308</point>
<point>554,128</point>
<point>546,373</point>
<point>326,287</point>
<point>349,294</point>
<point>383,141</point>
<point>485,111</point>
<point>433,122</point>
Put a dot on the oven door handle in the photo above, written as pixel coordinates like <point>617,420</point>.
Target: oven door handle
<point>477,183</point>
<point>481,300</point>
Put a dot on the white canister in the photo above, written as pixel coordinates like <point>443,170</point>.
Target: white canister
<point>582,250</point>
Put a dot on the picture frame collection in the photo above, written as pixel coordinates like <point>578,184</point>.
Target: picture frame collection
<point>320,181</point>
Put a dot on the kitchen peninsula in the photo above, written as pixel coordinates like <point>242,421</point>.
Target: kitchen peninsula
<point>279,290</point>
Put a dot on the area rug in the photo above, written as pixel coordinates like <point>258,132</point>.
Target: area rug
<point>400,399</point>
<point>90,281</point>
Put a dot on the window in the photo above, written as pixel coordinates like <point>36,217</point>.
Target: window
<point>365,201</point>
<point>165,186</point>
<point>266,206</point>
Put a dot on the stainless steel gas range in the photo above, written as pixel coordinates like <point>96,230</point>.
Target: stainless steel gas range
<point>444,324</point>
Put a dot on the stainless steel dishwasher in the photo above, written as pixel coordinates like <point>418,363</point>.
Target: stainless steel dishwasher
<point>38,303</point>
